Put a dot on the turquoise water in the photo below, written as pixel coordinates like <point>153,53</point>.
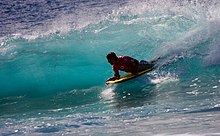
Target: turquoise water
<point>53,68</point>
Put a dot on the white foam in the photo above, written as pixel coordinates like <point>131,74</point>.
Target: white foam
<point>108,93</point>
<point>163,79</point>
<point>214,87</point>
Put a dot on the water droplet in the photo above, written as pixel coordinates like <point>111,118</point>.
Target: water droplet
<point>214,87</point>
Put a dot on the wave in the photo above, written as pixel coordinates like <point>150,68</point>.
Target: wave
<point>68,52</point>
<point>216,108</point>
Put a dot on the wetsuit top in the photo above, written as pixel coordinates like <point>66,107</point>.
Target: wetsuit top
<point>127,64</point>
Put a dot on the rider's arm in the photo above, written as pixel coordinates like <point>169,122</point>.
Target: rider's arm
<point>116,76</point>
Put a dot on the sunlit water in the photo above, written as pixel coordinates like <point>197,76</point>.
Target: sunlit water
<point>53,68</point>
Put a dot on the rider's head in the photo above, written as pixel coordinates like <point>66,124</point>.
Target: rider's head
<point>111,57</point>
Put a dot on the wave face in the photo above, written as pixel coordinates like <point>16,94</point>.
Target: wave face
<point>66,51</point>
<point>52,62</point>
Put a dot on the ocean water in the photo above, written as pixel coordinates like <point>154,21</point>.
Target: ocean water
<point>53,67</point>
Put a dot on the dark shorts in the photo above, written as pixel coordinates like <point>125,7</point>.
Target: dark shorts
<point>143,64</point>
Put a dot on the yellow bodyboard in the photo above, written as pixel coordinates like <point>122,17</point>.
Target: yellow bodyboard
<point>129,76</point>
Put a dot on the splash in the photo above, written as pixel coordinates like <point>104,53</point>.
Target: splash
<point>213,57</point>
<point>108,93</point>
<point>165,78</point>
